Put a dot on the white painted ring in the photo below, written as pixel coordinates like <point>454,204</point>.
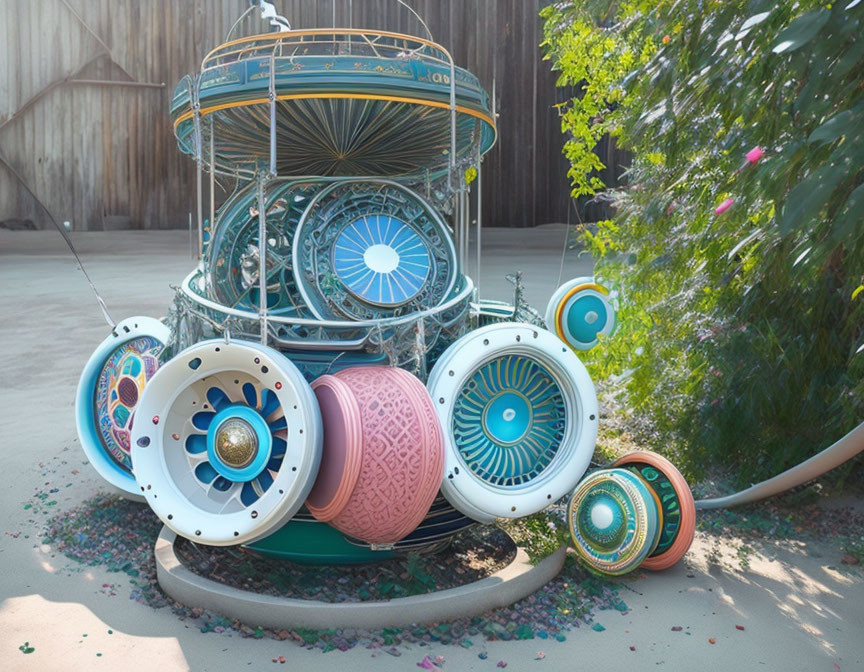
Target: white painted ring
<point>166,470</point>
<point>471,494</point>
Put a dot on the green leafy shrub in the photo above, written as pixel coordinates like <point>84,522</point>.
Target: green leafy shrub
<point>540,534</point>
<point>740,329</point>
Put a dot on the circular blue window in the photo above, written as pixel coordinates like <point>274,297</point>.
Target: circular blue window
<point>381,260</point>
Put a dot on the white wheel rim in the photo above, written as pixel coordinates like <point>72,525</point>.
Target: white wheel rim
<point>137,334</point>
<point>186,481</point>
<point>518,488</point>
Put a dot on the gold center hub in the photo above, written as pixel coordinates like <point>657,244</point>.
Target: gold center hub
<point>236,443</point>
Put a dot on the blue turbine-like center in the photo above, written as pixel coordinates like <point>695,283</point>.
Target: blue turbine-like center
<point>509,420</point>
<point>585,318</point>
<point>381,260</point>
<point>255,478</point>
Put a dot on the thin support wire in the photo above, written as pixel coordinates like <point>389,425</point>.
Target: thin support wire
<point>479,222</point>
<point>452,164</point>
<point>199,160</point>
<point>458,229</point>
<point>262,260</point>
<point>212,181</point>
<point>272,96</point>
<point>419,18</point>
<point>465,225</point>
<point>239,21</point>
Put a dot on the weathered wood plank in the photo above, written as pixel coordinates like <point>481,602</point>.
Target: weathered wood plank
<point>91,151</point>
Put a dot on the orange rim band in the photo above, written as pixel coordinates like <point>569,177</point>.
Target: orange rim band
<point>357,96</point>
<point>687,529</point>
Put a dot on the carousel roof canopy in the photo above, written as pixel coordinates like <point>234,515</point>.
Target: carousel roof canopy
<point>345,102</point>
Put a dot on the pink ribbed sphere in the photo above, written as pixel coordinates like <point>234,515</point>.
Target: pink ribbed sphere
<point>383,457</point>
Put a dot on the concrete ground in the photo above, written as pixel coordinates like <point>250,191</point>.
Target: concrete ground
<point>798,611</point>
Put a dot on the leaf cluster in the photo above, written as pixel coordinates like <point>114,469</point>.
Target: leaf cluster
<point>740,332</point>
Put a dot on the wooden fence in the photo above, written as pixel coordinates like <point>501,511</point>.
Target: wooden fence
<point>85,86</point>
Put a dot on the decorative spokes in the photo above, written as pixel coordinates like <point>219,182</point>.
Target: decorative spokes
<point>509,420</point>
<point>381,259</point>
<point>211,443</point>
<point>369,250</point>
<point>236,444</point>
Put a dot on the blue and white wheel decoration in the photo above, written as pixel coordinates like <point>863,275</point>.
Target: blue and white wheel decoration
<point>581,310</point>
<point>519,415</point>
<point>381,260</point>
<point>228,442</point>
<point>367,250</point>
<point>108,394</point>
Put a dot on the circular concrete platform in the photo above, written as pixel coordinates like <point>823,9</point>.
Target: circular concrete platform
<point>516,581</point>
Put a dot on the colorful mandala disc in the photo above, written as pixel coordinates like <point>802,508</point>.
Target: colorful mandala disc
<point>614,521</point>
<point>109,390</point>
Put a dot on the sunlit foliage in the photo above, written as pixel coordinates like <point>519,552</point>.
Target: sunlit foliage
<point>742,308</point>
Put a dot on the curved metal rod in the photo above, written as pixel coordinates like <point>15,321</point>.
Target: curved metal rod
<point>843,450</point>
<point>249,10</point>
<point>418,17</point>
<point>466,291</point>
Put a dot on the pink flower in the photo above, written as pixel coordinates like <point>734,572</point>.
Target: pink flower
<point>754,154</point>
<point>724,206</point>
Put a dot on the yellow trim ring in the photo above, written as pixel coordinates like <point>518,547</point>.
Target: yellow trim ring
<point>357,96</point>
<point>559,310</point>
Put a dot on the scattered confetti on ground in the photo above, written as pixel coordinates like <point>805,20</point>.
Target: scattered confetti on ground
<point>119,535</point>
<point>26,648</point>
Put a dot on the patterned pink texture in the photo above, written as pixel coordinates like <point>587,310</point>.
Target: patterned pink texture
<point>402,455</point>
<point>342,449</point>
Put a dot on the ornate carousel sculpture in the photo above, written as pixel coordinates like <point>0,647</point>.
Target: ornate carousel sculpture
<point>327,386</point>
